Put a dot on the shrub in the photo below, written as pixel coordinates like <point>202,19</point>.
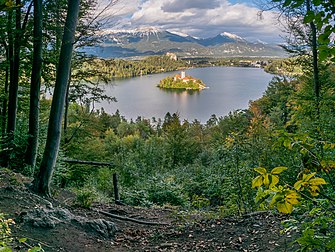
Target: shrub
<point>85,197</point>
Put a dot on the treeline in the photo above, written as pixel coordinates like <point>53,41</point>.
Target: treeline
<point>119,68</point>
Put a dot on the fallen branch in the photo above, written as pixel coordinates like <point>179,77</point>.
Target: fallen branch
<point>73,161</point>
<point>130,219</point>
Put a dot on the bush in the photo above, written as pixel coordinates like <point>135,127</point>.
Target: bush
<point>85,197</point>
<point>165,192</point>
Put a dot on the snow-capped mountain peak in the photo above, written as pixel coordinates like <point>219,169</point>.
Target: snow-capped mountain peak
<point>181,34</point>
<point>137,31</point>
<point>152,40</point>
<point>231,35</point>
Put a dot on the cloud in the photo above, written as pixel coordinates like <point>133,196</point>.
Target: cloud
<point>200,18</point>
<point>178,6</point>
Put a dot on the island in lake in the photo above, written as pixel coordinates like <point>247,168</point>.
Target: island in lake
<point>181,81</point>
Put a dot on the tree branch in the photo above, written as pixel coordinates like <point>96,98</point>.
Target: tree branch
<point>131,219</point>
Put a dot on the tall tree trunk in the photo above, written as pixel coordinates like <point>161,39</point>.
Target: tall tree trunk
<point>5,99</point>
<point>6,141</point>
<point>43,180</point>
<point>316,79</point>
<point>67,104</point>
<point>14,84</point>
<point>35,85</point>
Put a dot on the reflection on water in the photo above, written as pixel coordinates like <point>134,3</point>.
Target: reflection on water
<point>180,91</point>
<point>231,88</point>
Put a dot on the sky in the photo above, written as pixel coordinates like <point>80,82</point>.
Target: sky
<point>199,18</point>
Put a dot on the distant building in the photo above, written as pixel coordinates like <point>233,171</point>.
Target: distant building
<point>182,76</point>
<point>172,56</point>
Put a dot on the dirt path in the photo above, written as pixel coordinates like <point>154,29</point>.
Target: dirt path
<point>256,232</point>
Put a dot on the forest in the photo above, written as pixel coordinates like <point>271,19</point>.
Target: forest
<point>276,155</point>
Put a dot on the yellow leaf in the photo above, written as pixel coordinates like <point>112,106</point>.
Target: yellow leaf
<point>274,180</point>
<point>292,198</point>
<point>278,170</point>
<point>284,207</point>
<point>260,170</point>
<point>314,190</point>
<point>266,180</point>
<point>298,185</point>
<point>257,182</point>
<point>306,177</point>
<point>317,181</point>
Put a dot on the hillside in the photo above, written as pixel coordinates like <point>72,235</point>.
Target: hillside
<point>152,41</point>
<point>59,225</point>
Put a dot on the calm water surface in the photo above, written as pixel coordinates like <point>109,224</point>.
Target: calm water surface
<point>230,88</point>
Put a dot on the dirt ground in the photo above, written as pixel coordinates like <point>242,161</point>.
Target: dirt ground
<point>253,232</point>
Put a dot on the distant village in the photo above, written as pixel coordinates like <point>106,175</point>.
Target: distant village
<point>232,62</point>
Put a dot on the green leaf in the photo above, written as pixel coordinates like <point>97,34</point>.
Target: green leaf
<point>324,38</point>
<point>316,2</point>
<point>260,170</point>
<point>310,16</point>
<point>5,249</point>
<point>323,55</point>
<point>298,185</point>
<point>278,170</point>
<point>21,240</point>
<point>287,143</point>
<point>278,197</point>
<point>287,3</point>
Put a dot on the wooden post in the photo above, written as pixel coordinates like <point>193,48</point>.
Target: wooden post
<point>116,189</point>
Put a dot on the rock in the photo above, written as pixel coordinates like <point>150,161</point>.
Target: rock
<point>103,227</point>
<point>49,218</point>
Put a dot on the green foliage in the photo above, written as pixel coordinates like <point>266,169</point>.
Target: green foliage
<point>5,233</point>
<point>167,192</point>
<point>6,236</point>
<point>321,14</point>
<point>119,68</point>
<point>316,227</point>
<point>7,5</point>
<point>200,202</point>
<point>85,197</point>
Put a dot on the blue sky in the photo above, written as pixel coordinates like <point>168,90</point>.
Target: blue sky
<point>199,18</point>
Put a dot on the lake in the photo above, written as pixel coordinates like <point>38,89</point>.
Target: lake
<point>230,88</point>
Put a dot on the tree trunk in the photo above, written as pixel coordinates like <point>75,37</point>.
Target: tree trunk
<point>14,83</point>
<point>10,53</point>
<point>43,181</point>
<point>67,104</point>
<point>35,85</point>
<point>316,79</point>
<point>5,99</point>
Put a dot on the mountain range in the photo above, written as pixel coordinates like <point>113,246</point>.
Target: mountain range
<point>153,41</point>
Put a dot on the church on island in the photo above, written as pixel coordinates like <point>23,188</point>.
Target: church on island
<point>182,81</point>
<point>182,76</point>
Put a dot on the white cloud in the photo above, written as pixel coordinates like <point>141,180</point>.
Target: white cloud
<point>198,18</point>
